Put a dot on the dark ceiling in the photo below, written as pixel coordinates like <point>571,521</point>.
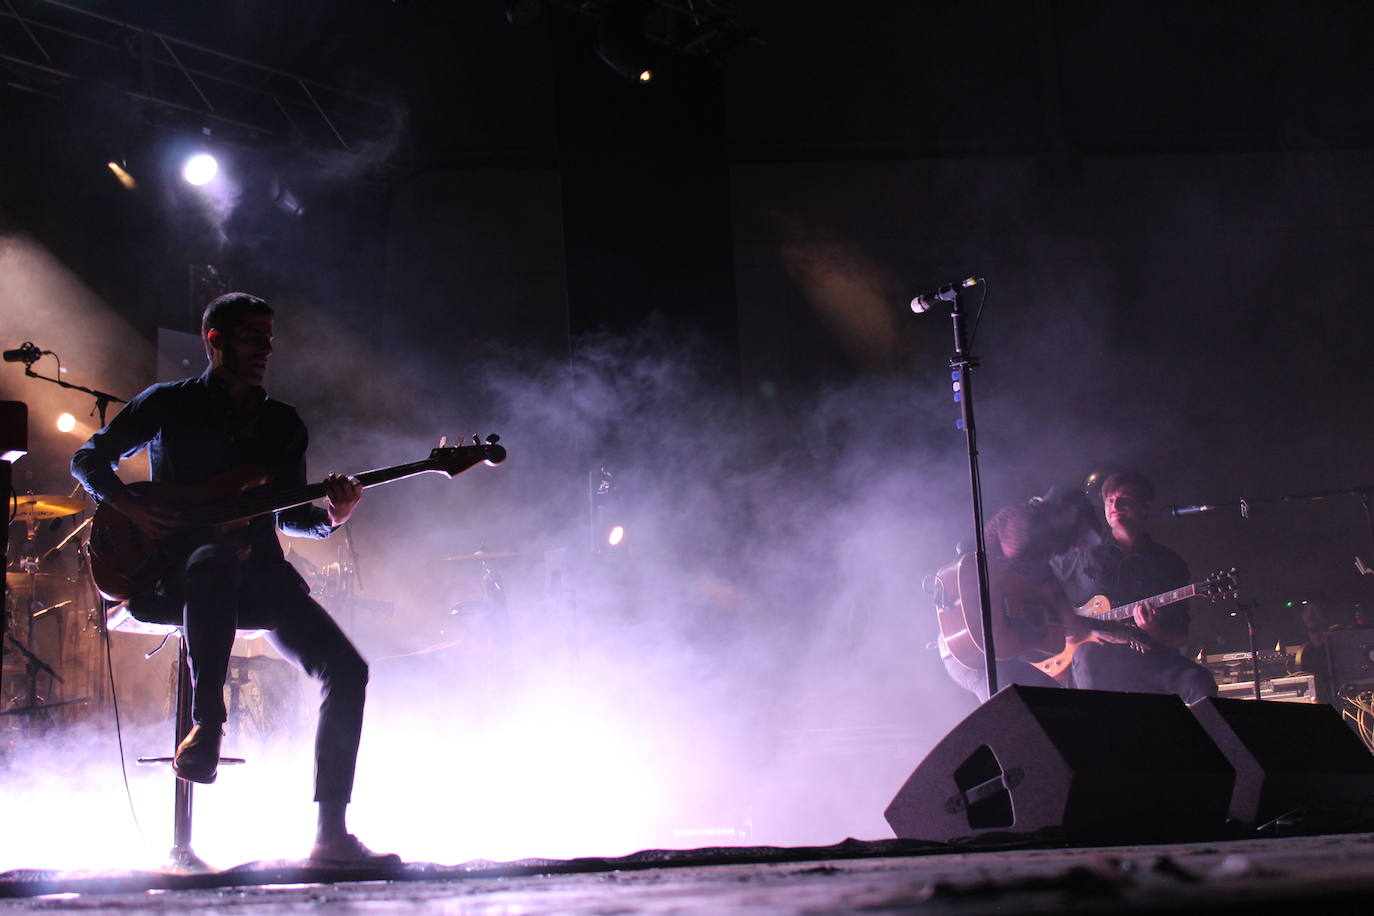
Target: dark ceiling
<point>808,79</point>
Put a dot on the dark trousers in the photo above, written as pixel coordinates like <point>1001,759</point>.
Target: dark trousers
<point>223,594</point>
<point>1108,666</point>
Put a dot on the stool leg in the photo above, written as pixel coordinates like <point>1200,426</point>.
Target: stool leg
<point>183,857</point>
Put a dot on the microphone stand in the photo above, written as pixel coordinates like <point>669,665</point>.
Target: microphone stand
<point>1248,609</point>
<point>1365,492</point>
<point>102,399</point>
<point>961,365</point>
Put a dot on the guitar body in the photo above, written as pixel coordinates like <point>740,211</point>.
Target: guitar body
<point>1059,665</point>
<point>1024,618</point>
<point>125,561</point>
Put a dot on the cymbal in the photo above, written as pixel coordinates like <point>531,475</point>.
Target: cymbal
<point>46,505</point>
<point>484,555</point>
<point>21,579</point>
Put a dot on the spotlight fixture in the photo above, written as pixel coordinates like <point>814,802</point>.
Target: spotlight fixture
<point>286,201</point>
<point>121,175</point>
<point>524,12</point>
<point>200,169</point>
<point>607,513</point>
<point>621,46</point>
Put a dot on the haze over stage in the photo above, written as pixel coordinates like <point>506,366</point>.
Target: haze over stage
<point>688,609</point>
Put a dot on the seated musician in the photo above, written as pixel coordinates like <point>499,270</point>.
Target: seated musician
<point>1312,655</point>
<point>1021,540</point>
<point>195,430</point>
<point>1126,566</point>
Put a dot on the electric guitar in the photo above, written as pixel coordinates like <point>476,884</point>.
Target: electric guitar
<point>1027,619</point>
<point>125,561</point>
<point>1220,584</point>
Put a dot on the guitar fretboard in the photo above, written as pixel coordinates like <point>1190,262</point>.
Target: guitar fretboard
<point>277,500</point>
<point>1160,600</point>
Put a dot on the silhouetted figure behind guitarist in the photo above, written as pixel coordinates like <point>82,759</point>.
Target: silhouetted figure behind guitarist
<point>1130,565</point>
<point>1021,540</point>
<point>196,430</point>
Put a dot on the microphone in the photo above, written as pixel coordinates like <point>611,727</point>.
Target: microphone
<point>1180,511</point>
<point>947,293</point>
<point>25,353</point>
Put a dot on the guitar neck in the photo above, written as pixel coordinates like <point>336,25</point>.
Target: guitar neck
<point>1160,600</point>
<point>276,501</point>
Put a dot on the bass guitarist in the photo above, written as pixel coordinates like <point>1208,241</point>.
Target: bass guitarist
<point>195,430</point>
<point>1126,566</point>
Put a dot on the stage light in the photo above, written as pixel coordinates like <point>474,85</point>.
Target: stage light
<point>285,201</point>
<point>66,423</point>
<point>616,536</point>
<point>200,169</point>
<point>621,46</point>
<point>122,176</point>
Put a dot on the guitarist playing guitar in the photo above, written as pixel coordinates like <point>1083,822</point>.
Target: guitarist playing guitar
<point>1021,541</point>
<point>1130,565</point>
<point>198,431</point>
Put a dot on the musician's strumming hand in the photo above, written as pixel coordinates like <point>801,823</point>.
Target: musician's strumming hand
<point>1122,637</point>
<point>148,514</point>
<point>1076,627</point>
<point>341,497</point>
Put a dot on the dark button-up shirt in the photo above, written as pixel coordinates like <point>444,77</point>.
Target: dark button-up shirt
<point>193,432</point>
<point>1105,569</point>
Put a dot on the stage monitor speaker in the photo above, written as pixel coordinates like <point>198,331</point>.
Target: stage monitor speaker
<point>1289,756</point>
<point>1080,766</point>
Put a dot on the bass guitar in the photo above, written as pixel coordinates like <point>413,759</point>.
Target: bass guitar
<point>125,561</point>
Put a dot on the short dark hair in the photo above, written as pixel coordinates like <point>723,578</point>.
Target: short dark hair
<point>1060,499</point>
<point>224,313</point>
<point>1120,480</point>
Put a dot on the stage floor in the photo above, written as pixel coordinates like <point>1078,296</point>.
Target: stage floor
<point>1331,873</point>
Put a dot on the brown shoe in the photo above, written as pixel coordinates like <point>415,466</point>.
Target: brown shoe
<point>197,757</point>
<point>347,850</point>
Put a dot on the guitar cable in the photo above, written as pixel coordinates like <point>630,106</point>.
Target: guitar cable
<point>119,731</point>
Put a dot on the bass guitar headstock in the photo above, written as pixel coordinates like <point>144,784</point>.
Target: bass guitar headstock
<point>455,459</point>
<point>1222,584</point>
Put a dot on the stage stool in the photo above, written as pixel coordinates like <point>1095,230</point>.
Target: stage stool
<point>153,618</point>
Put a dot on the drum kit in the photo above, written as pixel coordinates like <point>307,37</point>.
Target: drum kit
<point>45,639</point>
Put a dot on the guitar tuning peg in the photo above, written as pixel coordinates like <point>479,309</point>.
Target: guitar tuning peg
<point>443,440</point>
<point>493,439</point>
<point>476,439</point>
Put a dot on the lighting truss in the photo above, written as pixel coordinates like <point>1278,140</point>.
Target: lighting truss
<point>49,48</point>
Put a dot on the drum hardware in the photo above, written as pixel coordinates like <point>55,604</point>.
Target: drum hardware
<point>21,581</point>
<point>34,507</point>
<point>41,707</point>
<point>32,591</point>
<point>483,555</point>
<point>50,608</point>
